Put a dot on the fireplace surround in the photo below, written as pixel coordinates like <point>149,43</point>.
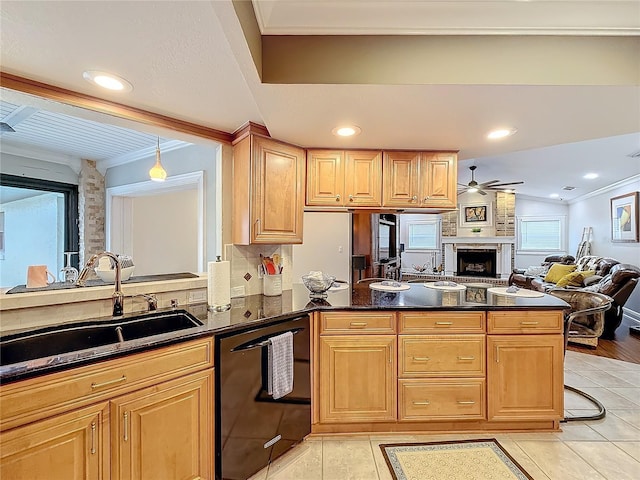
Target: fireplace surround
<point>476,262</point>
<point>502,246</point>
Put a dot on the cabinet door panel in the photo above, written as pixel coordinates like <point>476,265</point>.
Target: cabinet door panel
<point>400,172</point>
<point>438,180</point>
<point>363,179</point>
<point>325,178</point>
<point>278,195</point>
<point>164,432</point>
<point>66,447</point>
<point>357,378</point>
<point>525,377</point>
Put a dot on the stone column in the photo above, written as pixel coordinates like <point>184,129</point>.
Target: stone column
<point>91,210</point>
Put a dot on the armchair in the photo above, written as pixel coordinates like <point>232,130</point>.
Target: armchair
<point>586,321</point>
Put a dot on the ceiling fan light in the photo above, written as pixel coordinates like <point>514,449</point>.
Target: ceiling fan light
<point>472,190</point>
<point>501,133</point>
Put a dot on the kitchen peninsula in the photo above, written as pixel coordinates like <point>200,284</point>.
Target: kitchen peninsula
<point>417,360</point>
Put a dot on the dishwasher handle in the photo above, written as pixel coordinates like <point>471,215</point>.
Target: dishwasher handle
<point>263,341</point>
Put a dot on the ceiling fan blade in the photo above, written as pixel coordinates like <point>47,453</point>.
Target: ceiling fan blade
<point>505,184</point>
<point>462,191</point>
<point>481,192</point>
<point>484,184</point>
<point>463,185</point>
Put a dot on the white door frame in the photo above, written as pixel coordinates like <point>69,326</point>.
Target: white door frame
<point>118,209</point>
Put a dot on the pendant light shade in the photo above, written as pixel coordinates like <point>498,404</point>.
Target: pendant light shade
<point>157,172</point>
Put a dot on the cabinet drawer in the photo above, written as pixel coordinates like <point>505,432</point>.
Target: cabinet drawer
<point>363,322</point>
<point>442,355</point>
<point>525,322</point>
<point>430,322</point>
<point>40,397</point>
<point>441,399</point>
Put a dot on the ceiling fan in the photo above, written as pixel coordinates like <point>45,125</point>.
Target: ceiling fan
<point>494,185</point>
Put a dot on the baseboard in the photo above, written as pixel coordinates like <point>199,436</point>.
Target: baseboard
<point>632,316</point>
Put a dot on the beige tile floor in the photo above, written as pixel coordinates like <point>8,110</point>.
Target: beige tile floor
<point>601,449</point>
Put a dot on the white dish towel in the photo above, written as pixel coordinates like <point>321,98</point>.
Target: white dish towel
<point>280,365</point>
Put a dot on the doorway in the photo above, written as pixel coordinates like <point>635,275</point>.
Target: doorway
<point>161,225</point>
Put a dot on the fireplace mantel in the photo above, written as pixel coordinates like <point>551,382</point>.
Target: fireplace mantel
<point>478,240</point>
<point>503,246</point>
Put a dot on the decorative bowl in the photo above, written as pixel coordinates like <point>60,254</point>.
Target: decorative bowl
<point>317,285</point>
<point>420,268</point>
<point>109,276</point>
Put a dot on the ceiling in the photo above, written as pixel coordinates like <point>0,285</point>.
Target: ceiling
<point>563,73</point>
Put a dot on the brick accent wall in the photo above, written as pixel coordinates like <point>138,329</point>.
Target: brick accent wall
<point>91,210</point>
<point>505,214</point>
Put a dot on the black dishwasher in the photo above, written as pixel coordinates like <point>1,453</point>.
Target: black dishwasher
<point>252,428</point>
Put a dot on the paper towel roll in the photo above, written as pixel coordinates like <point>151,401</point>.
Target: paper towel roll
<point>219,285</point>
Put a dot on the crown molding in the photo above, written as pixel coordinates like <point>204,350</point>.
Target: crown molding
<point>168,146</point>
<point>608,188</point>
<point>74,163</point>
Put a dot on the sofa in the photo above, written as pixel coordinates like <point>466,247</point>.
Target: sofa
<point>590,273</point>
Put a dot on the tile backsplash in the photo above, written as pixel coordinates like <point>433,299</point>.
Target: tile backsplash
<point>245,260</point>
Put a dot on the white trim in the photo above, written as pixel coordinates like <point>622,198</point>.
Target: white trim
<point>218,169</point>
<point>175,183</point>
<point>148,152</point>
<point>608,188</point>
<point>12,148</point>
<point>631,315</point>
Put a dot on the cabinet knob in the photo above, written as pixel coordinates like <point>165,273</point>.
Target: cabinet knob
<point>351,198</point>
<point>338,198</point>
<point>425,199</point>
<point>414,198</point>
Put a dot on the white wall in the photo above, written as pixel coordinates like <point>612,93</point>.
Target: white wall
<point>594,211</point>
<point>165,233</point>
<point>29,167</point>
<point>190,159</point>
<point>34,235</point>
<point>326,246</point>
<point>530,207</point>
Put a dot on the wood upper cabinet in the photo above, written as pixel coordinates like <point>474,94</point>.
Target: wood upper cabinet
<point>70,446</point>
<point>337,178</point>
<point>525,377</point>
<point>419,179</point>
<point>268,191</point>
<point>164,431</point>
<point>357,378</point>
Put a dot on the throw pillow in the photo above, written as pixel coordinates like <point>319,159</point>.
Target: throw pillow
<point>535,271</point>
<point>574,279</point>
<point>557,271</point>
<point>591,280</point>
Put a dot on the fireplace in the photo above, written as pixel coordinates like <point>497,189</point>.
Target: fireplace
<point>476,262</point>
<point>501,249</point>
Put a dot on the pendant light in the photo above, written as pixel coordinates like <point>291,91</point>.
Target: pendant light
<point>157,172</point>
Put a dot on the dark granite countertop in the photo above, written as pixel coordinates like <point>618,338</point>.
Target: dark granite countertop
<point>256,310</point>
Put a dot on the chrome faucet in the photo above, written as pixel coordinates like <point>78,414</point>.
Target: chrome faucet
<point>152,300</point>
<point>117,294</point>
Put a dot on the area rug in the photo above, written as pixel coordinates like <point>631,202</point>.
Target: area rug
<point>467,459</point>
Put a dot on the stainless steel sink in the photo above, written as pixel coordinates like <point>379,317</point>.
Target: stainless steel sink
<point>67,338</point>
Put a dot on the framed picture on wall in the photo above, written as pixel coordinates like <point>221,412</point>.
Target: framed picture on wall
<point>476,215</point>
<point>624,218</point>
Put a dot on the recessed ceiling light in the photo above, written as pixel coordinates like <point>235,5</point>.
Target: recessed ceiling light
<point>554,195</point>
<point>501,133</point>
<point>591,176</point>
<point>107,80</point>
<point>346,131</point>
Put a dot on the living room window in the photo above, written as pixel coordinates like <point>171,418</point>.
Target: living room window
<point>423,235</point>
<point>541,234</point>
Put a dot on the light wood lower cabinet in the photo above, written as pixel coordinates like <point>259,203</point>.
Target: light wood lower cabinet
<point>525,377</point>
<point>149,415</point>
<point>71,446</point>
<point>357,378</point>
<point>164,432</point>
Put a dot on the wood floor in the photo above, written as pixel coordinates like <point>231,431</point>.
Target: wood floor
<point>623,347</point>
